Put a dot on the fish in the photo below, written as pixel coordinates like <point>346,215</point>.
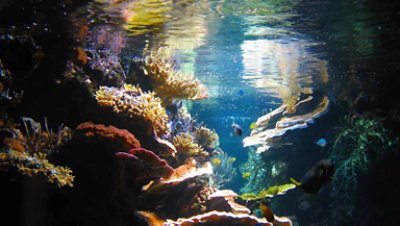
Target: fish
<point>267,212</point>
<point>240,92</point>
<point>231,160</point>
<point>319,175</point>
<point>246,175</point>
<point>237,130</point>
<point>216,161</point>
<point>321,142</point>
<point>253,125</point>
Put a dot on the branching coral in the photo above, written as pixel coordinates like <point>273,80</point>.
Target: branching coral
<point>29,153</point>
<point>206,138</point>
<point>133,102</point>
<point>169,83</point>
<point>186,147</point>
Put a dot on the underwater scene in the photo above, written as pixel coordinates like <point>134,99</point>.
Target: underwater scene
<point>199,112</point>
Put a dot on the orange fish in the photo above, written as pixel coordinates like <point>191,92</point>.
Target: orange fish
<point>267,212</point>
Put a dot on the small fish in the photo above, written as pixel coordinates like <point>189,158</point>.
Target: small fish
<point>253,125</point>
<point>231,160</point>
<point>216,161</point>
<point>316,177</point>
<point>240,92</point>
<point>246,175</point>
<point>267,212</point>
<point>321,142</point>
<point>237,130</point>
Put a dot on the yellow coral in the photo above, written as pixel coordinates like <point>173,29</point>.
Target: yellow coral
<point>167,81</point>
<point>186,147</point>
<point>132,101</point>
<point>29,153</point>
<point>30,164</point>
<point>206,138</point>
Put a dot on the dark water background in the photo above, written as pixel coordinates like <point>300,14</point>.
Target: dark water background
<point>359,40</point>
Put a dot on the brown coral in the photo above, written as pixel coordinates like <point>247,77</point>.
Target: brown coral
<point>109,134</point>
<point>133,102</point>
<point>183,173</point>
<point>214,218</point>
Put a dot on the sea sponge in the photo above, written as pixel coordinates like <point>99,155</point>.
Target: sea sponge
<point>96,132</point>
<point>132,101</point>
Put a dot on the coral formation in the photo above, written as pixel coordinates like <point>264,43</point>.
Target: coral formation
<point>186,147</point>
<point>29,153</point>
<point>97,132</point>
<point>265,138</point>
<point>133,102</point>
<point>206,138</point>
<point>152,166</point>
<point>214,218</point>
<point>182,122</point>
<point>36,163</point>
<point>224,171</point>
<point>169,83</point>
<point>256,167</point>
<point>181,174</point>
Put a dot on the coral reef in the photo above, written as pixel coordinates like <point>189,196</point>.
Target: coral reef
<point>152,166</point>
<point>214,218</point>
<point>133,102</point>
<point>29,153</point>
<point>169,83</point>
<point>97,132</point>
<point>265,137</point>
<point>256,167</point>
<point>181,174</point>
<point>186,147</point>
<point>36,163</point>
<point>206,138</point>
<point>224,200</point>
<point>182,122</point>
<point>224,171</point>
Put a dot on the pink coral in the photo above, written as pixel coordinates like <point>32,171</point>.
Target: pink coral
<point>152,165</point>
